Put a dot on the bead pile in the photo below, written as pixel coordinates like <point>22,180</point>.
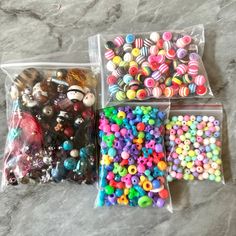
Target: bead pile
<point>160,65</point>
<point>132,165</point>
<point>52,128</point>
<point>193,145</point>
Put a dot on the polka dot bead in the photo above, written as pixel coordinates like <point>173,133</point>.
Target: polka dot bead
<point>193,148</point>
<point>132,164</point>
<point>168,58</point>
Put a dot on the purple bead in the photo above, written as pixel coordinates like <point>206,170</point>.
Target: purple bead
<point>135,180</point>
<point>169,158</point>
<point>208,133</point>
<point>177,161</point>
<point>181,53</point>
<point>202,148</point>
<point>176,127</point>
<point>117,159</point>
<point>112,198</point>
<point>103,144</point>
<point>158,148</point>
<point>150,194</point>
<point>216,122</point>
<point>180,170</point>
<point>117,134</point>
<point>195,174</point>
<point>205,160</point>
<point>131,161</point>
<point>175,167</point>
<point>193,56</point>
<point>160,202</point>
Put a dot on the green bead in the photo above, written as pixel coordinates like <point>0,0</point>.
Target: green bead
<point>169,178</point>
<point>109,190</point>
<point>218,179</point>
<point>213,146</point>
<point>116,168</point>
<point>174,118</point>
<point>193,139</point>
<point>215,158</point>
<point>194,158</point>
<point>193,126</point>
<point>193,133</point>
<point>151,122</point>
<point>186,176</point>
<point>212,177</point>
<point>209,155</point>
<point>133,193</point>
<point>123,171</point>
<point>187,158</point>
<point>144,201</point>
<point>141,135</point>
<point>216,152</point>
<point>217,173</point>
<point>188,135</point>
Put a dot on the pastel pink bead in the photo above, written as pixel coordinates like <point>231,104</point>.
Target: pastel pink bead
<point>106,128</point>
<point>199,80</point>
<point>157,92</point>
<point>115,128</point>
<point>174,155</point>
<point>186,118</point>
<point>110,175</point>
<point>167,36</point>
<point>125,155</point>
<point>149,82</point>
<point>141,168</point>
<point>180,132</point>
<point>177,140</point>
<point>185,128</point>
<point>179,176</point>
<point>123,132</point>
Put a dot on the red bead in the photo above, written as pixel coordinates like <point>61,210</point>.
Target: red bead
<point>164,194</point>
<point>111,80</point>
<point>78,106</point>
<point>140,126</point>
<point>160,43</point>
<point>69,132</point>
<point>124,162</point>
<point>133,70</point>
<point>201,90</point>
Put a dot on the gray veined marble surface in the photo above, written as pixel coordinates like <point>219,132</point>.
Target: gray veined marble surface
<point>32,27</point>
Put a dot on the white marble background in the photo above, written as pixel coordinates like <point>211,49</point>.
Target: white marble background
<point>30,27</point>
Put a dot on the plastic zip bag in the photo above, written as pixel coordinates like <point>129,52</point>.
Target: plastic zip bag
<point>50,110</point>
<point>132,165</point>
<point>193,142</point>
<point>139,66</point>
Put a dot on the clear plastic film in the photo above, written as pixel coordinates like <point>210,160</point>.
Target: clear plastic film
<point>51,106</point>
<point>132,167</point>
<point>161,64</point>
<point>194,142</point>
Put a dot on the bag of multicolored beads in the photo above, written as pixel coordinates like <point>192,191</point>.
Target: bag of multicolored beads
<point>139,66</point>
<point>194,142</point>
<point>51,121</point>
<point>132,164</point>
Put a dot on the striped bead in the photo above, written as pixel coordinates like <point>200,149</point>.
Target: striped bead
<point>138,43</point>
<point>148,43</point>
<point>181,69</point>
<point>184,91</point>
<point>119,41</point>
<point>163,68</point>
<point>156,75</point>
<point>144,51</point>
<point>140,59</point>
<point>113,89</point>
<point>127,47</point>
<point>109,54</point>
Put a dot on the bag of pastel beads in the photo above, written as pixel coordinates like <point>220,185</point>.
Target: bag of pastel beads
<point>132,163</point>
<point>193,142</point>
<point>51,122</point>
<point>139,66</point>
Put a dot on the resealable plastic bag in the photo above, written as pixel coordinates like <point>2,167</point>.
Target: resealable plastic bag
<point>161,65</point>
<point>194,142</point>
<point>132,167</point>
<point>51,106</point>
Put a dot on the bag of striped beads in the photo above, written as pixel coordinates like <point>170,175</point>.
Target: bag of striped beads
<point>132,167</point>
<point>159,64</point>
<point>51,103</point>
<point>193,142</point>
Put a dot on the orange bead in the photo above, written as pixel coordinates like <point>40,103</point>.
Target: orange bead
<point>162,165</point>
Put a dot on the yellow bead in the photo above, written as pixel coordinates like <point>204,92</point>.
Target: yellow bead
<point>178,150</point>
<point>117,60</point>
<point>133,63</point>
<point>191,177</point>
<point>182,137</point>
<point>131,94</point>
<point>219,161</point>
<point>178,123</point>
<point>132,169</point>
<point>189,165</point>
<point>191,153</point>
<point>121,114</point>
<point>126,191</point>
<point>142,179</point>
<point>168,126</point>
<point>162,52</point>
<point>135,52</point>
<point>189,123</point>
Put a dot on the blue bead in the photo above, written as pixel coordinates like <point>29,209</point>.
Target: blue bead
<point>112,152</point>
<point>83,153</point>
<point>67,146</point>
<point>130,38</point>
<point>156,184</point>
<point>161,115</point>
<point>103,183</point>
<point>58,173</point>
<point>140,190</point>
<point>70,163</point>
<point>119,192</point>
<point>199,118</point>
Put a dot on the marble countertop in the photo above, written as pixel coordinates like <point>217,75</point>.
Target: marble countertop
<point>32,27</point>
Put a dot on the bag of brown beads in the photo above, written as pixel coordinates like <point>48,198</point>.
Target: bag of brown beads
<point>51,123</point>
